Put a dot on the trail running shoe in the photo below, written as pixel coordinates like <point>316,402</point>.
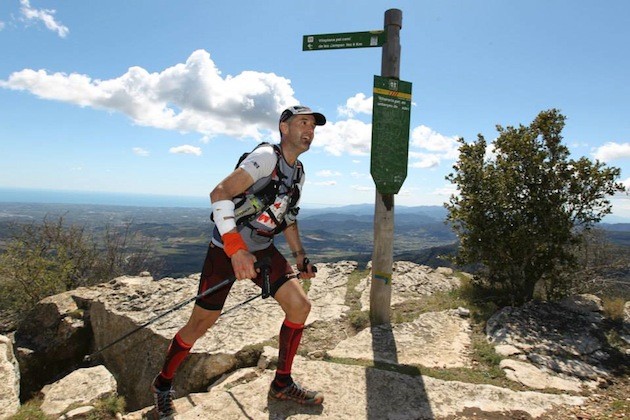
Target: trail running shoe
<point>295,392</point>
<point>163,403</point>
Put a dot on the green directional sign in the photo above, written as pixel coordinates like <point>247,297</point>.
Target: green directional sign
<point>343,40</point>
<point>391,116</point>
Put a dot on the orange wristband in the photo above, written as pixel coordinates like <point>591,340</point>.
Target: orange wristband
<point>232,242</point>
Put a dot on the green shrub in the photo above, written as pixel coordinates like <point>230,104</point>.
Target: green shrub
<point>614,308</point>
<point>108,407</point>
<point>43,259</point>
<point>30,411</point>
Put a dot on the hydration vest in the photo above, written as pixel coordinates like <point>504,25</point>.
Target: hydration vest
<point>271,200</point>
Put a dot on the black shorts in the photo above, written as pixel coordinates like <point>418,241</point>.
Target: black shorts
<point>218,267</point>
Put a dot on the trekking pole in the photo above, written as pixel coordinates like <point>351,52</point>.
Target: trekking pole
<point>264,295</point>
<point>265,270</point>
<point>266,287</point>
<point>305,264</point>
<point>263,264</point>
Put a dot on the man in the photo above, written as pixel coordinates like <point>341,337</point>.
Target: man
<point>255,202</point>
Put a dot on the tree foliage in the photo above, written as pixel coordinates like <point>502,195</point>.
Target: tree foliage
<point>43,259</point>
<point>521,213</point>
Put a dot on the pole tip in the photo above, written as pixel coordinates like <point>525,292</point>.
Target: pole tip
<point>393,17</point>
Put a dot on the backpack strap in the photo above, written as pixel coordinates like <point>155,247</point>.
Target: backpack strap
<point>268,194</point>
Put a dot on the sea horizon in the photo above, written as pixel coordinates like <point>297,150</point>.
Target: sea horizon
<point>51,196</point>
<point>46,196</point>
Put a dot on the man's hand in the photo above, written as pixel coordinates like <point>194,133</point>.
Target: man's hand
<point>307,270</point>
<point>243,265</point>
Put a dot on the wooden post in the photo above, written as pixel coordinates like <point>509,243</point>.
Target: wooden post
<point>383,254</point>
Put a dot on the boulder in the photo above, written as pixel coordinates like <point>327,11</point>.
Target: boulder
<point>83,386</point>
<point>51,341</point>
<point>561,342</point>
<point>9,379</point>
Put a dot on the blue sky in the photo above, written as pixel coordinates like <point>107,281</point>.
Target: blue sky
<point>161,97</point>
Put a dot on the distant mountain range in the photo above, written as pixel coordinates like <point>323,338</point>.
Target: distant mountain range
<point>436,213</point>
<point>329,234</point>
<point>41,196</point>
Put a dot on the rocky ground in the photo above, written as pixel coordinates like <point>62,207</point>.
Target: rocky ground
<point>438,359</point>
<point>610,401</point>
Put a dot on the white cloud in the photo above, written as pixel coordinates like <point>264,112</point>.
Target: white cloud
<point>439,146</point>
<point>195,97</point>
<point>360,175</point>
<point>355,137</point>
<point>358,104</point>
<point>46,16</point>
<point>425,138</point>
<point>424,160</point>
<point>446,191</point>
<point>406,192</point>
<point>188,97</point>
<point>348,136</point>
<point>324,183</point>
<point>2,25</point>
<point>611,151</point>
<point>186,150</point>
<point>363,188</point>
<point>140,151</point>
<point>327,173</point>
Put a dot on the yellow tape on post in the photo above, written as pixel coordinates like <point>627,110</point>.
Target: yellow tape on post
<point>385,277</point>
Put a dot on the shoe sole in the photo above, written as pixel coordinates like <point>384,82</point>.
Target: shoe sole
<point>156,415</point>
<point>282,397</point>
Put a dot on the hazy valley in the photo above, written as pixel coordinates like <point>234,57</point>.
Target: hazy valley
<point>180,235</point>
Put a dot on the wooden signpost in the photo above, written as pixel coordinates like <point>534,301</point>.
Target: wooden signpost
<point>390,145</point>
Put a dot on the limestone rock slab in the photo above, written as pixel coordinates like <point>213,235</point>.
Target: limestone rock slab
<point>367,393</point>
<point>560,341</point>
<point>81,386</point>
<point>327,292</point>
<point>411,281</point>
<point>533,377</point>
<point>435,339</point>
<point>9,379</point>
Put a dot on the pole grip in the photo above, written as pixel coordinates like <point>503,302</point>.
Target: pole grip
<point>305,263</point>
<point>265,271</point>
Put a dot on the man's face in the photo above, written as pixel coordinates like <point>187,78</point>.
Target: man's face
<point>299,131</point>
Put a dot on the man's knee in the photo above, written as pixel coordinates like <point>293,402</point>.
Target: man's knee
<point>200,322</point>
<point>300,306</point>
<point>306,306</point>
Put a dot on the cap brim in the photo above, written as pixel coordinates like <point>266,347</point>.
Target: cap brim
<point>319,118</point>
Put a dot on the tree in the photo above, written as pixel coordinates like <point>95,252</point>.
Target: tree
<point>521,213</point>
<point>43,259</point>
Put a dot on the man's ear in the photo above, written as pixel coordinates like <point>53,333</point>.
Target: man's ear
<point>284,126</point>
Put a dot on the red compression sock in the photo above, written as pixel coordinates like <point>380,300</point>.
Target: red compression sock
<point>290,336</point>
<point>175,355</point>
